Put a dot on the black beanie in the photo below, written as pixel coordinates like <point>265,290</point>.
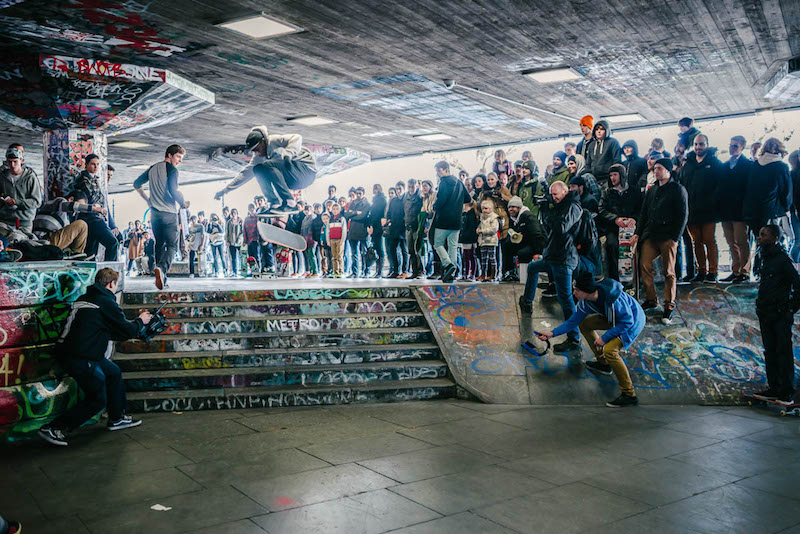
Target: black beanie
<point>586,283</point>
<point>666,163</point>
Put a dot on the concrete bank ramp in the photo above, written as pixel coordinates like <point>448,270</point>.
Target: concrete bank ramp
<point>710,353</point>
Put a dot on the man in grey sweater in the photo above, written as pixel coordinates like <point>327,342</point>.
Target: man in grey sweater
<point>165,201</point>
<point>20,191</point>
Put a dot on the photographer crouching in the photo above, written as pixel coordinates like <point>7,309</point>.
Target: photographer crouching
<point>93,322</point>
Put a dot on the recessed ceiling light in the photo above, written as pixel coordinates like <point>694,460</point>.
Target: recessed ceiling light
<point>560,74</point>
<point>625,117</point>
<point>260,27</point>
<point>140,166</point>
<point>311,120</point>
<point>129,144</point>
<point>433,137</point>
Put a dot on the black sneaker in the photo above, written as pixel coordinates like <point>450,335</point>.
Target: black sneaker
<point>524,305</point>
<point>667,317</point>
<point>449,274</point>
<point>601,368</point>
<point>52,435</point>
<point>741,279</point>
<point>566,346</point>
<point>622,401</point>
<point>687,279</point>
<point>711,278</point>
<point>649,305</point>
<point>550,291</point>
<point>699,278</point>
<point>126,422</point>
<point>729,279</point>
<point>766,394</point>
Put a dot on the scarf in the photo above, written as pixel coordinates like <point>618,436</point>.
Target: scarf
<point>767,158</point>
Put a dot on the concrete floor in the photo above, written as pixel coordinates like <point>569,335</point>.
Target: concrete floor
<point>430,467</point>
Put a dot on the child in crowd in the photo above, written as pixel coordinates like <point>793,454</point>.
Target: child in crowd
<point>487,241</point>
<point>469,242</point>
<point>337,235</point>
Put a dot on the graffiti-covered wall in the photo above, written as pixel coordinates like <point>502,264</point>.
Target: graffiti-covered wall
<point>34,303</point>
<point>710,354</point>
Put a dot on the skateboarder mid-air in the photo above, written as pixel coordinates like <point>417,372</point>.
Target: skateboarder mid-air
<point>280,164</point>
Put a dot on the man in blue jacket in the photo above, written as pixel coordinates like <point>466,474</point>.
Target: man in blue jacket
<point>605,306</point>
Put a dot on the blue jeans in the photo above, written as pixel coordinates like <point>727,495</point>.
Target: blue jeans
<point>358,257</point>
<point>561,275</point>
<point>101,382</point>
<point>449,255</point>
<point>794,253</point>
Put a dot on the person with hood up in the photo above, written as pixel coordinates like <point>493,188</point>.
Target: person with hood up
<point>526,239</point>
<point>280,164</point>
<point>559,172</point>
<point>584,145</point>
<point>701,177</point>
<point>620,206</point>
<point>561,217</point>
<point>688,131</point>
<point>577,167</point>
<point>769,189</point>
<point>587,199</point>
<point>606,306</point>
<point>604,153</point>
<point>635,165</point>
<point>529,187</point>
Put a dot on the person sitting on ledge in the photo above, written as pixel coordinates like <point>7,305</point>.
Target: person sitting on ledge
<point>604,305</point>
<point>94,321</point>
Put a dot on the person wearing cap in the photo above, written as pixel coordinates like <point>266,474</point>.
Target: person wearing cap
<point>604,153</point>
<point>604,305</point>
<point>528,186</point>
<point>586,124</point>
<point>587,199</point>
<point>20,192</point>
<point>558,172</point>
<point>620,206</point>
<point>280,164</point>
<point>526,238</point>
<point>658,230</point>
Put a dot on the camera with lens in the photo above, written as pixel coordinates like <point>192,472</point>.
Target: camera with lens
<point>157,324</point>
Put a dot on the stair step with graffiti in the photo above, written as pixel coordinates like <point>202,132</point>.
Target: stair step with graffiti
<point>154,298</point>
<point>285,376</point>
<point>294,323</point>
<point>277,340</point>
<point>271,309</point>
<point>273,397</point>
<point>277,357</point>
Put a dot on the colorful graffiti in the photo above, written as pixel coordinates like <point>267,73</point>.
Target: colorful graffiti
<point>259,296</point>
<point>710,355</point>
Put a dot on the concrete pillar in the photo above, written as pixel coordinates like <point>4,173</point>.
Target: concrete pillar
<point>64,155</point>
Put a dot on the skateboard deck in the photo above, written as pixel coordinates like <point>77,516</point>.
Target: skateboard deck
<point>626,253</point>
<point>783,409</point>
<point>281,237</point>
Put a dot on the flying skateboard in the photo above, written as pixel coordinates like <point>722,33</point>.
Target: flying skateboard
<point>782,409</point>
<point>279,236</point>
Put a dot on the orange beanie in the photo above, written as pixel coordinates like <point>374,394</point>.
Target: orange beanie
<point>588,120</point>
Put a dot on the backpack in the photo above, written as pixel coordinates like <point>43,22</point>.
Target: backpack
<point>586,238</point>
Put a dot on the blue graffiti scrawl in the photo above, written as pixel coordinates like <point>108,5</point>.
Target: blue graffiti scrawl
<point>416,96</point>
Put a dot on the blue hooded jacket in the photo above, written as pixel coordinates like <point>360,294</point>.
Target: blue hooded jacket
<point>622,311</point>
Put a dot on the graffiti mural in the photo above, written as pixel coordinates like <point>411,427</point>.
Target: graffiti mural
<point>711,355</point>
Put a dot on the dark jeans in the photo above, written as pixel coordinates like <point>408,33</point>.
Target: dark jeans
<point>612,254</point>
<point>165,231</point>
<point>377,244</point>
<point>193,254</point>
<point>217,252</point>
<point>514,250</point>
<point>100,234</point>
<point>404,257</point>
<point>393,251</point>
<point>776,334</point>
<point>267,257</point>
<point>561,276</point>
<point>277,177</point>
<point>234,251</point>
<point>685,255</point>
<point>255,251</point>
<point>414,242</point>
<point>358,253</point>
<point>101,382</point>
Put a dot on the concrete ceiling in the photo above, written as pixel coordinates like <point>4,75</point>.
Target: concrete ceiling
<point>376,66</point>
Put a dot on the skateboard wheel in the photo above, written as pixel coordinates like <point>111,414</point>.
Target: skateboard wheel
<point>783,412</point>
<point>749,403</point>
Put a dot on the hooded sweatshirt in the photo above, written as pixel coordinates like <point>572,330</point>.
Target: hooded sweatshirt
<point>769,190</point>
<point>625,202</point>
<point>603,154</point>
<point>487,230</point>
<point>581,170</point>
<point>622,311</point>
<point>635,165</point>
<point>27,193</point>
<point>561,173</point>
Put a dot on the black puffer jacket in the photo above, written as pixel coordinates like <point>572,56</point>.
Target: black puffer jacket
<point>94,320</point>
<point>732,188</point>
<point>603,153</point>
<point>533,236</point>
<point>396,215</point>
<point>635,166</point>
<point>701,180</point>
<point>614,203</point>
<point>779,287</point>
<point>450,199</point>
<point>664,213</point>
<point>769,193</point>
<point>560,222</point>
<point>358,215</point>
<point>469,227</point>
<point>795,175</point>
<point>377,211</point>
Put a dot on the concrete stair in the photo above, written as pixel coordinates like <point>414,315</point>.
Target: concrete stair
<point>282,348</point>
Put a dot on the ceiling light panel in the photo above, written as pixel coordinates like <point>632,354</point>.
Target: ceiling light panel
<point>433,137</point>
<point>129,144</point>
<point>260,27</point>
<point>311,120</point>
<point>625,117</point>
<point>558,75</point>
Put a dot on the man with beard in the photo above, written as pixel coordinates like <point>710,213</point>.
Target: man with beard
<point>604,153</point>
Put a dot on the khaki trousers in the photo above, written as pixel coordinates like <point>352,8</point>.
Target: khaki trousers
<point>649,251</point>
<point>73,236</point>
<point>704,239</point>
<point>609,353</point>
<point>738,239</point>
<point>337,251</point>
